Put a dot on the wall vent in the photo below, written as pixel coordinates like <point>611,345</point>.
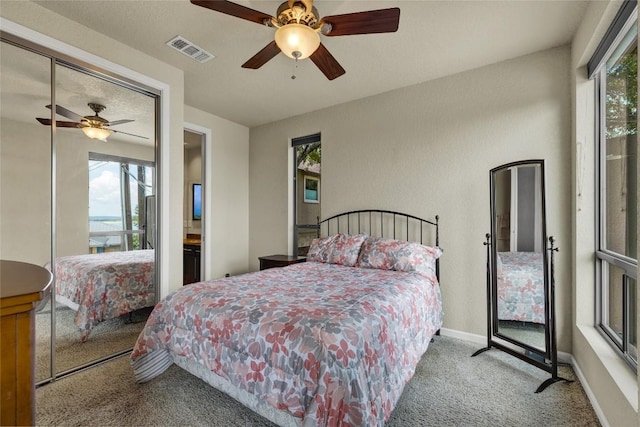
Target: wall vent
<point>185,47</point>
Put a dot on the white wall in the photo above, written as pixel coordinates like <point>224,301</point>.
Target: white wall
<point>115,55</point>
<point>25,193</point>
<point>229,192</point>
<point>427,150</point>
<point>610,380</point>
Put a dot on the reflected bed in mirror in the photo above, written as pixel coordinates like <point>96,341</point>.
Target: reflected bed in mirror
<point>104,286</point>
<point>520,315</point>
<point>521,307</point>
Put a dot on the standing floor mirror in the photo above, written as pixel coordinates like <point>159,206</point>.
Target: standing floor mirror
<point>520,284</point>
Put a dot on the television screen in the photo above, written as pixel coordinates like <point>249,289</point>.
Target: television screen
<point>197,201</point>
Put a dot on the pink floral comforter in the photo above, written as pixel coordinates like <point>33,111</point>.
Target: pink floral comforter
<point>105,286</point>
<point>521,286</point>
<point>326,343</point>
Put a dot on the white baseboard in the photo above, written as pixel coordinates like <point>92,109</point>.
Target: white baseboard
<point>589,393</point>
<point>466,336</point>
<point>562,358</point>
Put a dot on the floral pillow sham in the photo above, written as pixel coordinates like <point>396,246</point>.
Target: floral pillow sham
<point>342,249</point>
<point>320,249</point>
<point>390,254</point>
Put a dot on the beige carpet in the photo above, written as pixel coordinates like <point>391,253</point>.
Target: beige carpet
<point>107,338</point>
<point>449,388</point>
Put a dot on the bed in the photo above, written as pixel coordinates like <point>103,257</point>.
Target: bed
<point>331,341</point>
<point>520,281</point>
<point>99,287</point>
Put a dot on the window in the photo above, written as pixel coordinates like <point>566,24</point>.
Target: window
<point>311,190</point>
<point>617,185</point>
<point>118,189</point>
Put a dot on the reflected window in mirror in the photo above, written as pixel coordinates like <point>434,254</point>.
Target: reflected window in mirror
<point>118,189</point>
<point>616,78</point>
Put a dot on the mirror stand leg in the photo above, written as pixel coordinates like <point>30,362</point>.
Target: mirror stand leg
<point>550,381</point>
<point>482,350</point>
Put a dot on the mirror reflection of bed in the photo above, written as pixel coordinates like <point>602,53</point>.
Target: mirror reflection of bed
<point>520,277</point>
<point>519,255</point>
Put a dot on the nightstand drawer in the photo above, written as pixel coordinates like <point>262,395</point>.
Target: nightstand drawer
<point>271,261</point>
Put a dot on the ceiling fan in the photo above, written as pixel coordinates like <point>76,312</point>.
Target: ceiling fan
<point>95,127</point>
<point>299,26</point>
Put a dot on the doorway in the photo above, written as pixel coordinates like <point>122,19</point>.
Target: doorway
<point>194,208</point>
<point>307,174</point>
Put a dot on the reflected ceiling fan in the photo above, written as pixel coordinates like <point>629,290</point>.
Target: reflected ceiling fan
<point>95,127</point>
<point>299,26</point>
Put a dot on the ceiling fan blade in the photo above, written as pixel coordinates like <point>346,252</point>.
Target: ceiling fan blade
<point>67,113</point>
<point>233,9</point>
<point>119,122</point>
<point>370,22</point>
<point>262,57</point>
<point>126,133</point>
<point>60,124</point>
<point>327,63</point>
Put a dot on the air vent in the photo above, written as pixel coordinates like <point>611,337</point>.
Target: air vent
<point>185,47</point>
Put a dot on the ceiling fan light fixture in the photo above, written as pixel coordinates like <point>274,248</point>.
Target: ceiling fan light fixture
<point>297,41</point>
<point>96,133</point>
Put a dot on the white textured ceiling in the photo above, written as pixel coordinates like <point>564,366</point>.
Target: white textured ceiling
<point>435,39</point>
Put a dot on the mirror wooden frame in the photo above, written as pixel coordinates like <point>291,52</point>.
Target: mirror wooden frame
<point>545,359</point>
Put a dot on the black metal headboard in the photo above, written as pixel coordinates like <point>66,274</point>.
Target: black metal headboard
<point>382,223</point>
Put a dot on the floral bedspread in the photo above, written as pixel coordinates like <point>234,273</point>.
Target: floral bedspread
<point>521,286</point>
<point>327,343</point>
<point>105,286</point>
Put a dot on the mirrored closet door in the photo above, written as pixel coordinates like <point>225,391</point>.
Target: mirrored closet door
<point>78,196</point>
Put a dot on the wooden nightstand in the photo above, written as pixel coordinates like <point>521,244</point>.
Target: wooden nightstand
<point>271,261</point>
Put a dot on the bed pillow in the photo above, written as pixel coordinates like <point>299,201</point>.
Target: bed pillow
<point>391,254</point>
<point>346,249</point>
<point>342,249</point>
<point>320,249</point>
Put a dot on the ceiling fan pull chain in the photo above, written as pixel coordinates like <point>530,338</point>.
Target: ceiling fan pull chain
<point>296,55</point>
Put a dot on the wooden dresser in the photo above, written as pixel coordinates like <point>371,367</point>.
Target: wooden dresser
<point>22,285</point>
